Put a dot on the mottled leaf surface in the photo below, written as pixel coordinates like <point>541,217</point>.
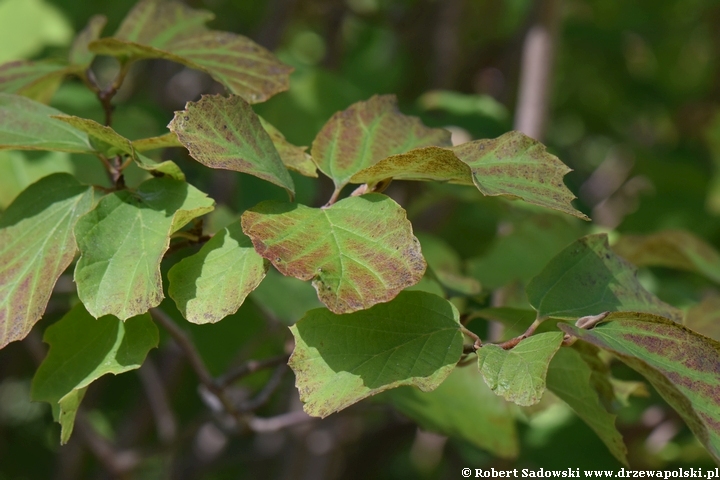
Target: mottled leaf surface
<point>569,377</point>
<point>671,248</point>
<point>224,132</point>
<point>341,359</point>
<point>153,143</point>
<point>37,80</point>
<point>295,158</point>
<point>705,317</point>
<point>588,278</point>
<point>122,241</point>
<point>36,246</point>
<point>518,375</point>
<point>83,349</point>
<point>683,366</point>
<point>174,31</point>
<point>367,132</point>
<point>213,283</point>
<point>358,252</point>
<point>79,53</point>
<point>26,125</point>
<point>462,407</point>
<point>515,165</point>
<point>422,164</point>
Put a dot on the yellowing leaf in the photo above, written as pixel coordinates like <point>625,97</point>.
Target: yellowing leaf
<point>341,359</point>
<point>294,158</point>
<point>358,252</point>
<point>174,31</point>
<point>36,246</point>
<point>35,80</point>
<point>367,132</point>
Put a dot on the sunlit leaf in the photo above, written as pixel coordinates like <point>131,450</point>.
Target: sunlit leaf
<point>79,53</point>
<point>422,164</point>
<point>294,158</point>
<point>36,246</point>
<point>35,80</point>
<point>365,133</point>
<point>224,132</point>
<point>518,374</point>
<point>587,278</point>
<point>26,125</point>
<point>213,283</point>
<point>122,241</point>
<point>152,143</point>
<point>462,407</point>
<point>683,366</point>
<point>341,359</point>
<point>174,31</point>
<point>358,252</point>
<point>569,377</point>
<point>671,248</point>
<point>83,349</point>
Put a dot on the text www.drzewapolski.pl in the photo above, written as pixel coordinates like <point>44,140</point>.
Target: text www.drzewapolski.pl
<point>707,474</point>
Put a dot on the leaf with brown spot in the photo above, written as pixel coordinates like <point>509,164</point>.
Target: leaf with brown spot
<point>294,158</point>
<point>176,32</point>
<point>673,249</point>
<point>122,241</point>
<point>365,133</point>
<point>224,132</point>
<point>513,165</point>
<point>152,143</point>
<point>682,365</point>
<point>358,252</point>
<point>213,283</point>
<point>36,245</point>
<point>340,359</point>
<point>587,278</point>
<point>704,317</point>
<point>26,125</point>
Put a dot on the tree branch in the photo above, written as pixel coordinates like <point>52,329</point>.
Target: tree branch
<point>249,368</point>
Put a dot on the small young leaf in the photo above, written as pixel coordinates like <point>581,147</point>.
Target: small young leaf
<point>462,407</point>
<point>124,238</point>
<point>671,248</point>
<point>518,375</point>
<point>173,31</point>
<point>36,246</point>
<point>26,125</point>
<point>367,132</point>
<point>704,318</point>
<point>683,366</point>
<point>213,283</point>
<point>35,80</point>
<point>588,278</point>
<point>294,158</point>
<point>79,53</point>
<point>152,143</point>
<point>358,252</point>
<point>83,349</point>
<point>341,359</point>
<point>569,377</point>
<point>224,132</point>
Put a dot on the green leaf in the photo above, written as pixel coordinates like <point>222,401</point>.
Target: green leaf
<point>446,265</point>
<point>462,407</point>
<point>35,80</point>
<point>683,366</point>
<point>224,132</point>
<point>569,377</point>
<point>513,165</point>
<point>26,125</point>
<point>285,298</point>
<point>29,26</point>
<point>83,349</point>
<point>79,53</point>
<point>587,278</point>
<point>514,320</point>
<point>341,359</point>
<point>152,143</point>
<point>123,240</point>
<point>18,171</point>
<point>36,246</point>
<point>173,31</point>
<point>518,375</point>
<point>671,248</point>
<point>213,283</point>
<point>294,158</point>
<point>358,252</point>
<point>367,132</point>
<point>704,318</point>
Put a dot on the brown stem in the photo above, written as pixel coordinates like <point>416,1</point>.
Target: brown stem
<point>478,342</point>
<point>333,198</point>
<point>514,341</point>
<point>273,424</point>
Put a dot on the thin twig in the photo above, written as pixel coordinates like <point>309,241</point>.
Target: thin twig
<point>514,341</point>
<point>117,462</point>
<point>264,395</point>
<point>333,198</point>
<point>159,405</point>
<point>478,343</point>
<point>273,424</point>
<point>250,367</point>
